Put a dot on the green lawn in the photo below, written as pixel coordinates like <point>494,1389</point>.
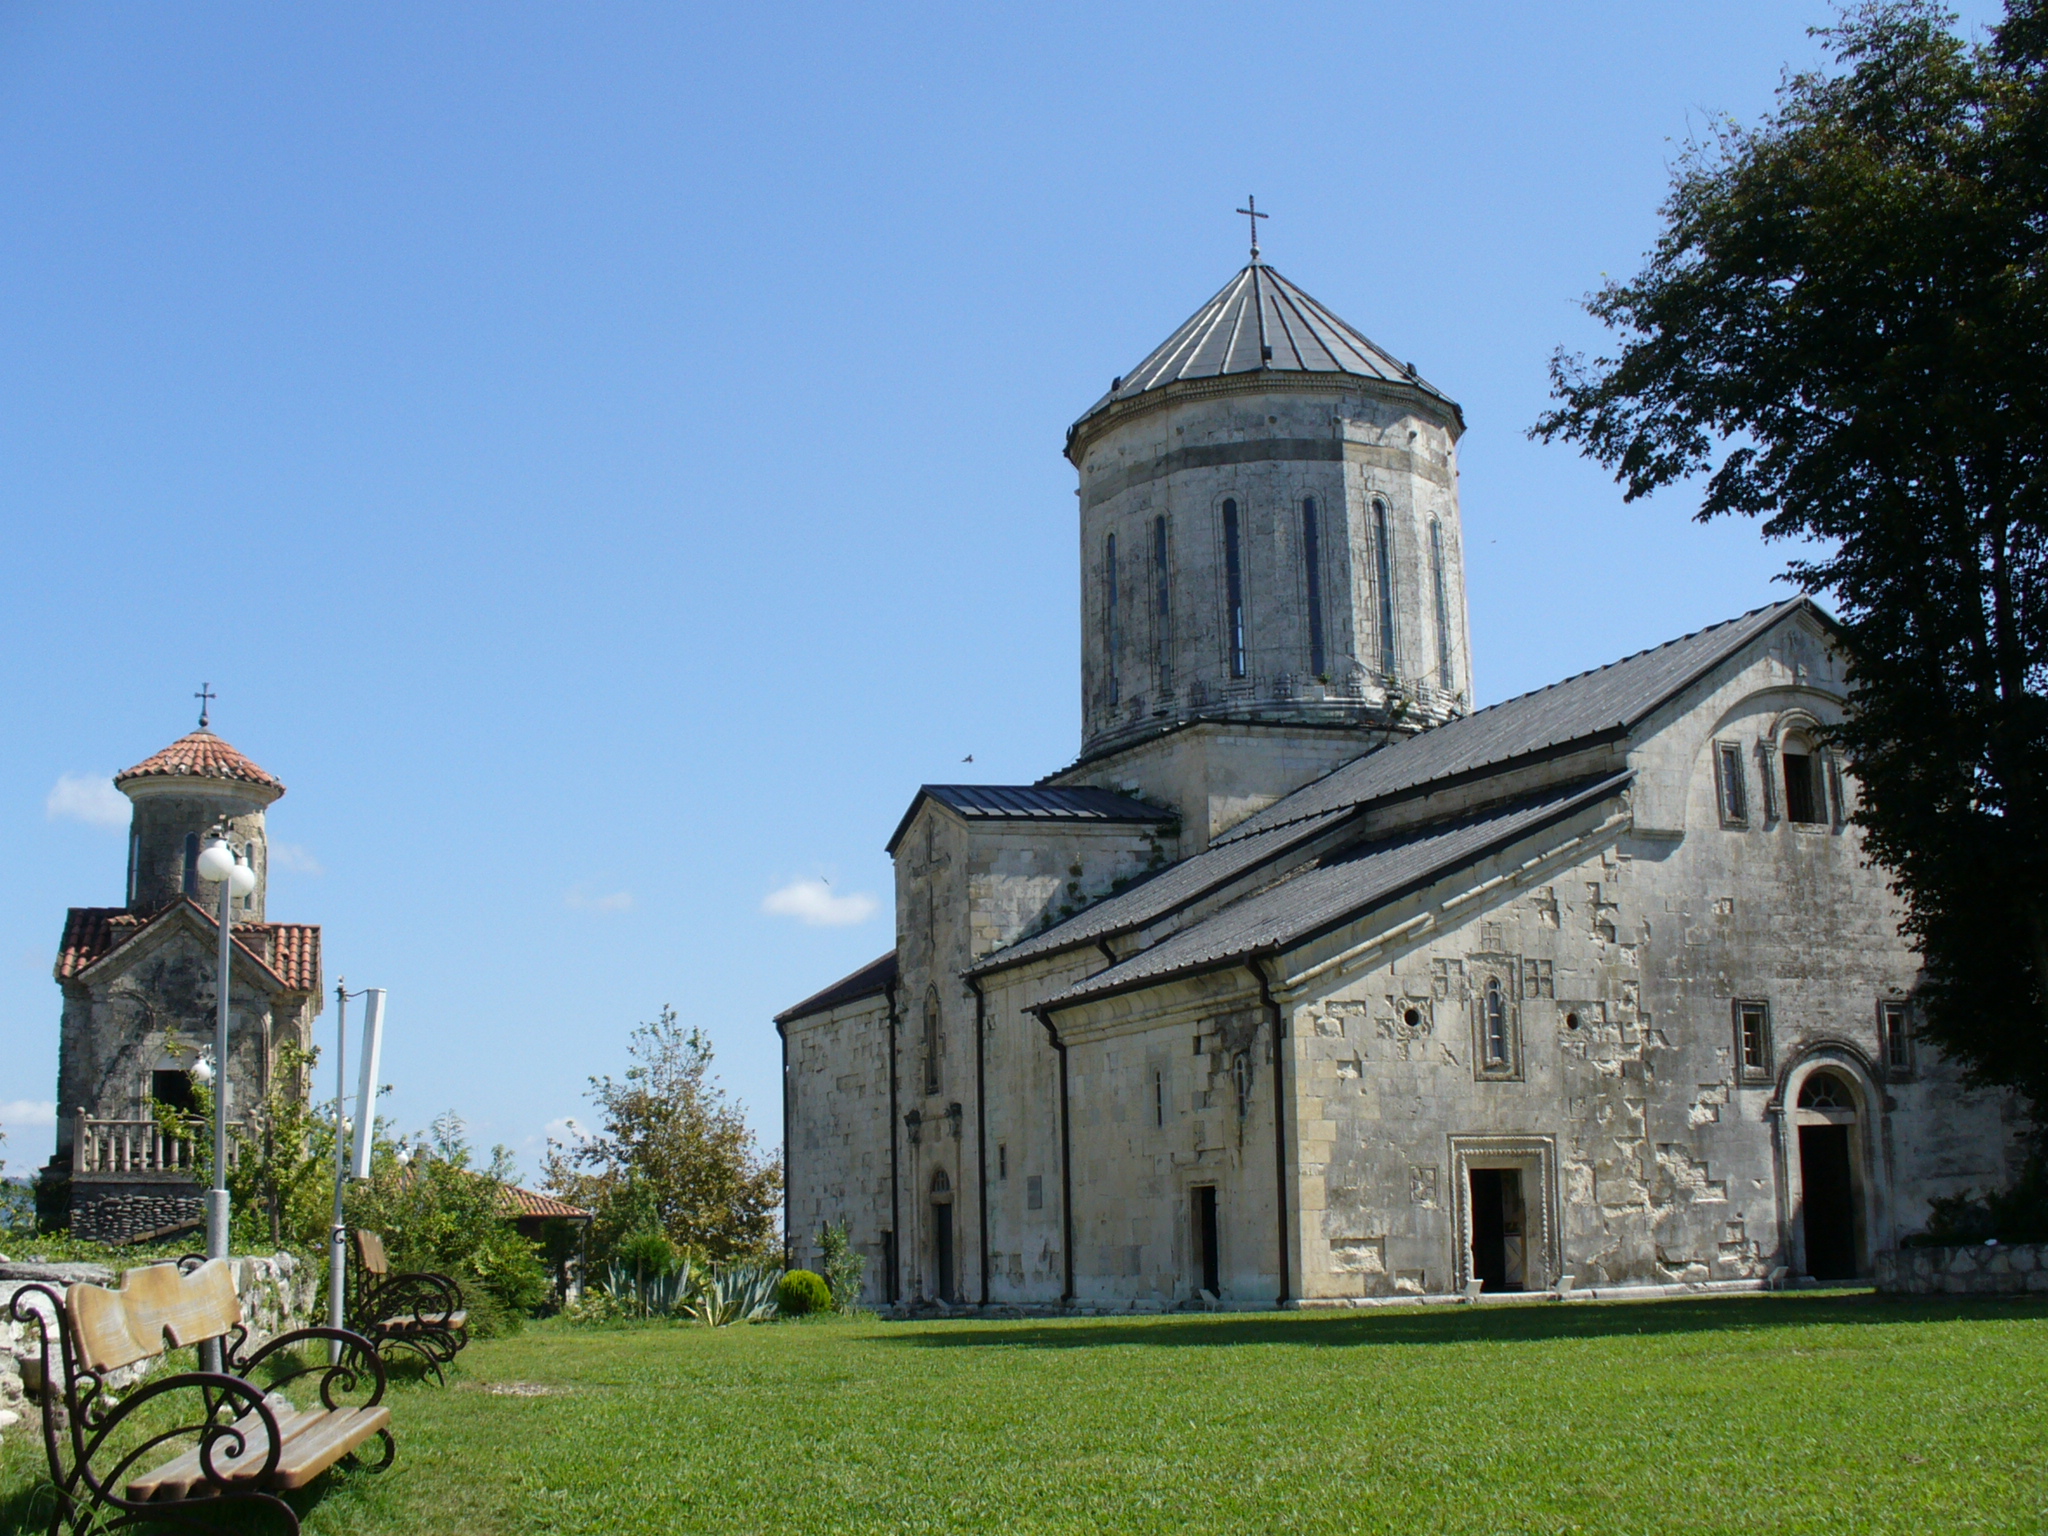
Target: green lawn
<point>1792,1413</point>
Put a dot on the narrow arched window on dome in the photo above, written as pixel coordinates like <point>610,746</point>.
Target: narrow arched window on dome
<point>1443,604</point>
<point>1112,621</point>
<point>1383,553</point>
<point>1312,558</point>
<point>191,863</point>
<point>1233,582</point>
<point>1162,604</point>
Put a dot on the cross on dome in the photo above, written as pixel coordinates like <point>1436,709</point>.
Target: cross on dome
<point>206,696</point>
<point>1251,212</point>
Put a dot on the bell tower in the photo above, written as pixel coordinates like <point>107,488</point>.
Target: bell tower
<point>180,795</point>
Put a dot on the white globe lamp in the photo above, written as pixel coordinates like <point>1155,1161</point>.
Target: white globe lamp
<point>217,862</point>
<point>242,878</point>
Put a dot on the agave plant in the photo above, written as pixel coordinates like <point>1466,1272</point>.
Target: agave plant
<point>735,1292</point>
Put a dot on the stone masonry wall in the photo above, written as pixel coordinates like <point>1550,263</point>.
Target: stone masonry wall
<point>1981,1269</point>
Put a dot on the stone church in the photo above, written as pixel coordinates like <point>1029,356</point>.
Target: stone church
<point>1307,983</point>
<point>140,989</point>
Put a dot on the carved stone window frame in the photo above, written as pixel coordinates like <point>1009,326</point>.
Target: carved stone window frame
<point>1761,1074</point>
<point>1535,1157</point>
<point>1895,1038</point>
<point>1731,786</point>
<point>1507,971</point>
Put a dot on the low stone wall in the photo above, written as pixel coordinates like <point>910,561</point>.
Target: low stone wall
<point>1981,1269</point>
<point>133,1215</point>
<point>277,1296</point>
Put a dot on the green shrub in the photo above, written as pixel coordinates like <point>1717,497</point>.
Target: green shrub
<point>802,1293</point>
<point>844,1269</point>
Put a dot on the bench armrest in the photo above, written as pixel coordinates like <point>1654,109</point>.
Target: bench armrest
<point>356,1358</point>
<point>419,1294</point>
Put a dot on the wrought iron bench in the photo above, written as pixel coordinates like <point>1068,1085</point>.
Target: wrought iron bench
<point>243,1442</point>
<point>417,1311</point>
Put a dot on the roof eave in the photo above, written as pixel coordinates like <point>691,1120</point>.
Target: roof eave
<point>1114,411</point>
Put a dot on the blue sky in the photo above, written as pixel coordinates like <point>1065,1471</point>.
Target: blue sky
<point>606,457</point>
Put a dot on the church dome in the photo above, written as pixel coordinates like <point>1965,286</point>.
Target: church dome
<point>202,755</point>
<point>1260,323</point>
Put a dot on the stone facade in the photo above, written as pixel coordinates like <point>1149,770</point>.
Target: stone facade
<point>1592,990</point>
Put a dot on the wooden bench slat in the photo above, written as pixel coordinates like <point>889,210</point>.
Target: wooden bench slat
<point>319,1446</point>
<point>181,1477</point>
<point>424,1320</point>
<point>314,1440</point>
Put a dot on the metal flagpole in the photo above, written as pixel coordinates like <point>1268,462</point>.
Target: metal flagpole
<point>337,1237</point>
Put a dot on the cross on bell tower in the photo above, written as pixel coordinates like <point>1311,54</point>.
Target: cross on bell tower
<point>206,695</point>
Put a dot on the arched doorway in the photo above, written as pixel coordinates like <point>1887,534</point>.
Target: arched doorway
<point>1829,1176</point>
<point>942,1236</point>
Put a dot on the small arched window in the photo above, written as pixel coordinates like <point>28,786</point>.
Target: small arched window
<point>1312,558</point>
<point>1496,1024</point>
<point>941,1185</point>
<point>1806,796</point>
<point>1233,589</point>
<point>1824,1090</point>
<point>1162,606</point>
<point>191,863</point>
<point>1383,555</point>
<point>931,1042</point>
<point>1443,604</point>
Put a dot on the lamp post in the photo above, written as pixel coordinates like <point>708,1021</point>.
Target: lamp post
<point>219,865</point>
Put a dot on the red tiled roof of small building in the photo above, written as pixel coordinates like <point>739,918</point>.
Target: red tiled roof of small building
<point>290,951</point>
<point>516,1202</point>
<point>201,755</point>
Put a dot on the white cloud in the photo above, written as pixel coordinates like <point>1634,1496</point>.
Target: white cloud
<point>816,903</point>
<point>580,900</point>
<point>568,1130</point>
<point>87,797</point>
<point>27,1114</point>
<point>299,860</point>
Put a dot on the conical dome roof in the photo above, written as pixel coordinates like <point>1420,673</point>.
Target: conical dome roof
<point>1260,322</point>
<point>202,755</point>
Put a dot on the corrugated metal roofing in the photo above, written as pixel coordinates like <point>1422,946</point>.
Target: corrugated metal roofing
<point>1176,886</point>
<point>1030,802</point>
<point>1612,698</point>
<point>1260,321</point>
<point>1339,889</point>
<point>876,976</point>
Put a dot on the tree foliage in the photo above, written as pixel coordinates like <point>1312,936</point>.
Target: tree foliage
<point>1844,328</point>
<point>437,1212</point>
<point>674,1155</point>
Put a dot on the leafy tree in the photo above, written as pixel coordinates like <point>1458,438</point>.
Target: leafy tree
<point>1844,327</point>
<point>437,1212</point>
<point>674,1155</point>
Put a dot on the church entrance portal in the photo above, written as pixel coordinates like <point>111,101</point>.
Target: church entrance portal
<point>1499,1240</point>
<point>942,1235</point>
<point>1207,1250</point>
<point>1827,1177</point>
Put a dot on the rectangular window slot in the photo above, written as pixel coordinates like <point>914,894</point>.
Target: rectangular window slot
<point>1233,581</point>
<point>1753,1040</point>
<point>1730,787</point>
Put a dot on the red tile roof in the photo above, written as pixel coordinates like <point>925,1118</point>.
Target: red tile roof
<point>201,755</point>
<point>516,1202</point>
<point>290,951</point>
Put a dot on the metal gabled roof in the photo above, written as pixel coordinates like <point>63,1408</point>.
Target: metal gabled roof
<point>1606,702</point>
<point>1157,896</point>
<point>1261,322</point>
<point>1339,889</point>
<point>872,979</point>
<point>1029,802</point>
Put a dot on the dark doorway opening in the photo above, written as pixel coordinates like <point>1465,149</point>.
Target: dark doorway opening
<point>1207,1251</point>
<point>1499,1251</point>
<point>942,1243</point>
<point>174,1089</point>
<point>1827,1199</point>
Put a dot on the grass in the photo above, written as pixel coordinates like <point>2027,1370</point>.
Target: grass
<point>1825,1412</point>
